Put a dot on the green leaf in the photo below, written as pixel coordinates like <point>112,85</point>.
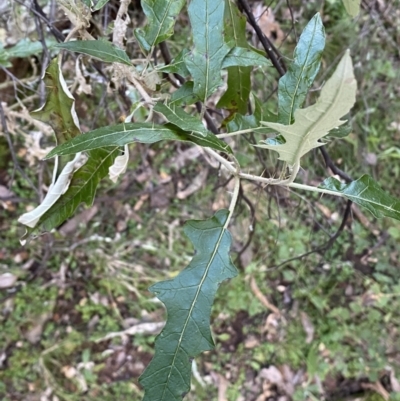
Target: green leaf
<point>313,123</point>
<point>188,123</point>
<point>184,95</point>
<point>188,299</point>
<point>161,16</point>
<point>100,49</point>
<point>177,65</point>
<point>352,7</point>
<point>242,57</point>
<point>100,4</point>
<point>340,132</point>
<point>205,61</point>
<point>24,48</point>
<point>59,108</point>
<point>295,84</point>
<point>82,188</point>
<point>366,193</point>
<point>236,96</point>
<point>122,134</point>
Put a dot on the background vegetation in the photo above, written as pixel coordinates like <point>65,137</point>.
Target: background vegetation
<point>77,322</point>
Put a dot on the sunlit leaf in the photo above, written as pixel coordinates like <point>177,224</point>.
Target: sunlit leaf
<point>313,123</point>
<point>205,61</point>
<point>122,134</point>
<point>161,16</point>
<point>100,49</point>
<point>295,84</point>
<point>188,299</point>
<point>366,193</point>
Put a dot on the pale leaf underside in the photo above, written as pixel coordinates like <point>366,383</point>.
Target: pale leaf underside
<point>313,123</point>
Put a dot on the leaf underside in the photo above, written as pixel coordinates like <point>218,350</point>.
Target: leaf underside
<point>100,49</point>
<point>204,62</point>
<point>188,299</point>
<point>367,193</point>
<point>313,123</point>
<point>161,16</point>
<point>122,134</point>
<point>82,188</point>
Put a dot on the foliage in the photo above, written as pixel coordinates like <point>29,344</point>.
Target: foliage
<point>218,48</point>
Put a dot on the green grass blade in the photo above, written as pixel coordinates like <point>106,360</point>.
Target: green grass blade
<point>295,84</point>
<point>188,299</point>
<point>367,193</point>
<point>100,49</point>
<point>210,49</point>
<point>161,16</point>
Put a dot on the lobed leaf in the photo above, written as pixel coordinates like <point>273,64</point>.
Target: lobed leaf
<point>100,49</point>
<point>161,15</point>
<point>188,299</point>
<point>295,84</point>
<point>122,134</point>
<point>59,108</point>
<point>82,188</point>
<point>177,65</point>
<point>313,123</point>
<point>204,62</point>
<point>367,193</point>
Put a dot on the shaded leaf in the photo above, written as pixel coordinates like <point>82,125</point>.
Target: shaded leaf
<point>82,188</point>
<point>100,4</point>
<point>340,132</point>
<point>184,95</point>
<point>352,7</point>
<point>239,84</point>
<point>55,191</point>
<point>295,84</point>
<point>24,48</point>
<point>366,193</point>
<point>313,123</point>
<point>59,108</point>
<point>100,49</point>
<point>188,299</point>
<point>161,15</point>
<point>122,134</point>
<point>242,57</point>
<point>205,61</point>
<point>177,65</point>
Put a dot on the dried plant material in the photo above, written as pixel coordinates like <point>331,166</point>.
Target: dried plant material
<point>307,326</point>
<point>262,298</point>
<point>120,165</point>
<point>7,280</point>
<point>195,185</point>
<point>266,20</point>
